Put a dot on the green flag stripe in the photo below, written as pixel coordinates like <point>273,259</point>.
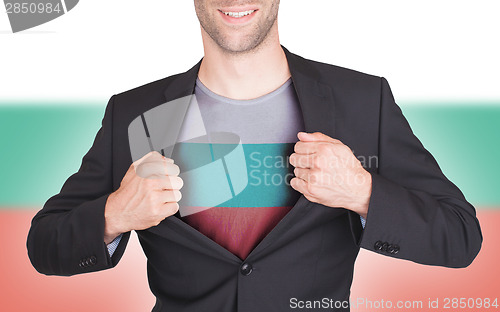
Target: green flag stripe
<point>42,144</point>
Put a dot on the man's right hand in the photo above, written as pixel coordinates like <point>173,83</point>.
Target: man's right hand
<point>148,193</point>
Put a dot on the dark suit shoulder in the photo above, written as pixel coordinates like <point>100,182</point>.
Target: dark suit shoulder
<point>351,88</point>
<point>153,90</point>
<point>140,99</point>
<point>134,102</point>
<point>333,73</point>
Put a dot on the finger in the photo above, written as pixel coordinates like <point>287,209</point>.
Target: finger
<point>316,137</point>
<point>171,196</point>
<point>168,160</point>
<point>302,147</point>
<point>132,170</point>
<point>301,173</point>
<point>302,161</point>
<point>172,169</point>
<point>300,186</point>
<point>309,147</point>
<point>171,208</point>
<point>157,157</point>
<point>311,176</point>
<point>143,158</point>
<point>171,183</point>
<point>157,169</point>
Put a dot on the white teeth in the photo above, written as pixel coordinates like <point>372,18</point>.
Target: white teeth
<point>239,14</point>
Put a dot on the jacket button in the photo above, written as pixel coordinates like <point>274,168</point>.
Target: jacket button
<point>396,249</point>
<point>93,260</point>
<point>378,245</point>
<point>384,246</point>
<point>82,263</point>
<point>390,248</point>
<point>246,269</point>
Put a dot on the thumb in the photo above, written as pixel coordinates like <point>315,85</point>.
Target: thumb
<point>316,137</point>
<point>143,158</point>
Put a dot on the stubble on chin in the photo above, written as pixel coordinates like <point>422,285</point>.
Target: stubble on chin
<point>248,43</point>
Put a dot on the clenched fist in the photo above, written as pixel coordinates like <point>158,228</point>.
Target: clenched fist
<point>327,172</point>
<point>148,193</point>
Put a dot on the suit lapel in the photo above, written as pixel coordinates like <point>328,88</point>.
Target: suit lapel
<point>315,98</point>
<point>318,111</point>
<point>183,84</point>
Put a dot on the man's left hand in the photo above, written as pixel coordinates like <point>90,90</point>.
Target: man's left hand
<point>327,172</point>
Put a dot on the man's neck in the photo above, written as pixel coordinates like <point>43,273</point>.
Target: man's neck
<point>244,76</point>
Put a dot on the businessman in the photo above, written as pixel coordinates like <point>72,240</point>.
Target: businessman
<point>267,246</point>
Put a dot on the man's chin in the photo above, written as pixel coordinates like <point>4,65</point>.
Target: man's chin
<point>239,45</point>
<point>238,50</point>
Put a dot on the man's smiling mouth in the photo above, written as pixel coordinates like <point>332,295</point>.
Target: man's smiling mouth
<point>239,14</point>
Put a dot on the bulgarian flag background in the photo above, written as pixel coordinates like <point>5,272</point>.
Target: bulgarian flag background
<point>440,57</point>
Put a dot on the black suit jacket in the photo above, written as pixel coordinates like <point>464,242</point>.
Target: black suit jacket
<point>415,212</point>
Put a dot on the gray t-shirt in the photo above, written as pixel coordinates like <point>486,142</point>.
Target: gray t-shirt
<point>271,118</point>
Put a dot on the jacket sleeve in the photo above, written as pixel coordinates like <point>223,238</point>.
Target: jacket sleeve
<point>415,212</point>
<point>67,236</point>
